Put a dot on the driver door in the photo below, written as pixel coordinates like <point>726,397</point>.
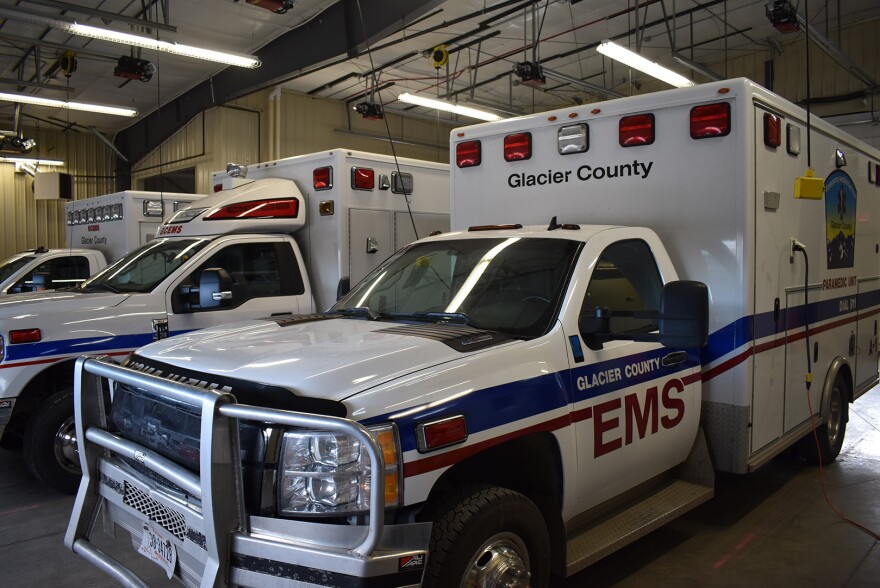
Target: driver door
<point>266,278</point>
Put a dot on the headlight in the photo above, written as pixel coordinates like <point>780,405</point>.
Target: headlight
<point>329,473</point>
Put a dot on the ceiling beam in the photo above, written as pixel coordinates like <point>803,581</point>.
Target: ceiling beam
<point>338,30</point>
<point>104,15</point>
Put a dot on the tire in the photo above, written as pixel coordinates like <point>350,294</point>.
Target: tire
<point>50,443</point>
<point>488,536</point>
<point>832,430</point>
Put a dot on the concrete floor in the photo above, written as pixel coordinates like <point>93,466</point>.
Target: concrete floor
<point>769,528</point>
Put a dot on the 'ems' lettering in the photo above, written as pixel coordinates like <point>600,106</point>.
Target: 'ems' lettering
<point>640,419</point>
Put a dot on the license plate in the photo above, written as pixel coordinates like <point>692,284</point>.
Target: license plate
<point>158,549</point>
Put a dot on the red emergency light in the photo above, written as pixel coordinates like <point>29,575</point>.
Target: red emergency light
<point>468,154</point>
<point>271,208</point>
<point>25,336</point>
<point>636,130</point>
<point>363,178</point>
<point>218,187</point>
<point>710,120</point>
<point>772,130</point>
<point>518,147</point>
<point>322,178</point>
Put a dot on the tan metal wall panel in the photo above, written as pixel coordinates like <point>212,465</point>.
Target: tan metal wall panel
<point>27,223</point>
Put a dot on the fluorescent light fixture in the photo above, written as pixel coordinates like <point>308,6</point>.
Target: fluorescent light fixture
<point>84,106</point>
<point>157,45</point>
<point>31,161</point>
<point>448,107</point>
<point>636,61</point>
<point>697,67</point>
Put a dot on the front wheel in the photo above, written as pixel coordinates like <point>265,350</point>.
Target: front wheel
<point>50,443</point>
<point>488,537</point>
<point>832,430</point>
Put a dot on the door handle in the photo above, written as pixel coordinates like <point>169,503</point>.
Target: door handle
<point>372,245</point>
<point>674,358</point>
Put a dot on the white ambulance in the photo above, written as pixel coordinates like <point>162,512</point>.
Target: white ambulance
<point>118,223</point>
<point>246,252</point>
<point>100,230</point>
<point>512,400</point>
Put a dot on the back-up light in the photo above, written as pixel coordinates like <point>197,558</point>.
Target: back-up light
<point>468,154</point>
<point>363,178</point>
<point>322,178</point>
<point>636,130</point>
<point>573,139</point>
<point>710,120</point>
<point>518,147</point>
<point>272,208</point>
<point>772,130</point>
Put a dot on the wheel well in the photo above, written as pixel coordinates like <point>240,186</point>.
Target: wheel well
<point>530,465</point>
<point>41,387</point>
<point>845,371</point>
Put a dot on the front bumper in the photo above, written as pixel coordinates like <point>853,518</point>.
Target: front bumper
<point>215,543</point>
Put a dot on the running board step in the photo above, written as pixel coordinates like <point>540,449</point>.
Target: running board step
<point>625,526</point>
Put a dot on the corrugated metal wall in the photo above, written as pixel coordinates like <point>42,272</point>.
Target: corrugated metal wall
<point>27,223</point>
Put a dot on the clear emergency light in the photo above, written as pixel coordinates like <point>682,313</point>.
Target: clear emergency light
<point>636,130</point>
<point>468,154</point>
<point>772,130</point>
<point>710,120</point>
<point>518,147</point>
<point>363,178</point>
<point>573,139</point>
<point>322,178</point>
<point>270,208</point>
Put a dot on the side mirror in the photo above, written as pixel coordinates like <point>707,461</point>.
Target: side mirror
<point>216,288</point>
<point>684,314</point>
<point>683,319</point>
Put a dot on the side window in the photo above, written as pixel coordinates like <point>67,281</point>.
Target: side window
<point>625,279</point>
<point>259,270</point>
<point>61,272</point>
<point>68,271</point>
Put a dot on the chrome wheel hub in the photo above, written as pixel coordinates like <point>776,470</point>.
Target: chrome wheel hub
<point>501,562</point>
<point>65,446</point>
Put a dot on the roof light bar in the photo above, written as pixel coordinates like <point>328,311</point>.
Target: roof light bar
<point>636,61</point>
<point>448,107</point>
<point>70,105</point>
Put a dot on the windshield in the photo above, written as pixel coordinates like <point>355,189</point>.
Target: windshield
<point>510,285</point>
<point>12,265</point>
<point>144,268</point>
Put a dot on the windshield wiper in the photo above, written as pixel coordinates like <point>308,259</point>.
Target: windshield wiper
<point>106,287</point>
<point>446,317</point>
<point>362,311</point>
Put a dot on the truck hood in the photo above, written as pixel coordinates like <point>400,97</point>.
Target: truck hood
<point>321,357</point>
<point>55,301</point>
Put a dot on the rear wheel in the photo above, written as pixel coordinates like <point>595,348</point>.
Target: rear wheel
<point>832,430</point>
<point>50,443</point>
<point>488,537</point>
